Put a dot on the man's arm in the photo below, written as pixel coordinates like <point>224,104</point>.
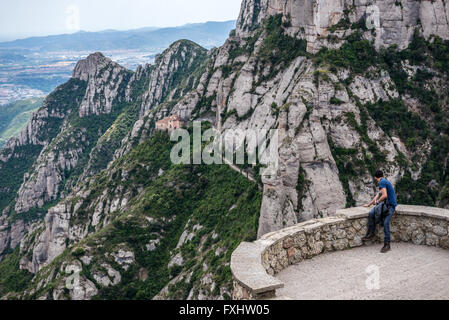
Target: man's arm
<point>372,202</point>
<point>379,198</point>
<point>384,195</point>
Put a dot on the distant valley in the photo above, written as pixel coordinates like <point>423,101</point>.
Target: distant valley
<point>33,67</point>
<point>15,116</point>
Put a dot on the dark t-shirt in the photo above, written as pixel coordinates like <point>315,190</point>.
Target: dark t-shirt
<point>385,184</point>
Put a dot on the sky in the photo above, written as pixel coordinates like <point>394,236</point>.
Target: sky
<point>24,18</point>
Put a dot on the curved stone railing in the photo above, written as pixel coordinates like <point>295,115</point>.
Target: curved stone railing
<point>254,264</point>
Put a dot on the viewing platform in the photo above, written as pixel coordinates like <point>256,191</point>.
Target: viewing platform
<point>326,259</point>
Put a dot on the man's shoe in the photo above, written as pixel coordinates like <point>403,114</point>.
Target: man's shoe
<point>370,236</point>
<point>386,248</point>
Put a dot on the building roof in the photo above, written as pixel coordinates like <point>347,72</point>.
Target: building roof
<point>170,118</point>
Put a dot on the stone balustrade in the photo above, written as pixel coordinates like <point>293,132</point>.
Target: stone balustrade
<point>254,264</point>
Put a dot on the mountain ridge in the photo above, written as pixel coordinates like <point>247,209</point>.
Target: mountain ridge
<point>203,33</point>
<point>342,112</point>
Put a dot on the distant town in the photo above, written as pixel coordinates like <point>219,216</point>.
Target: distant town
<point>32,75</point>
<point>34,67</point>
<point>11,92</point>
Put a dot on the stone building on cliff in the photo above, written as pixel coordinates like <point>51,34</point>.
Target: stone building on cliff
<point>170,123</point>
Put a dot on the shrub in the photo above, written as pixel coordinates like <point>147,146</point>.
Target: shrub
<point>279,49</point>
<point>78,252</point>
<point>336,101</point>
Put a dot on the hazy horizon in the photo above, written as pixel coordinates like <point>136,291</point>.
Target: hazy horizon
<point>7,39</point>
<point>19,19</point>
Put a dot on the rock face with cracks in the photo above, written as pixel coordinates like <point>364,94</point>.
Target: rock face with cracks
<point>393,21</point>
<point>80,168</point>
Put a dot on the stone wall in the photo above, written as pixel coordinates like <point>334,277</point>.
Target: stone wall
<point>254,264</point>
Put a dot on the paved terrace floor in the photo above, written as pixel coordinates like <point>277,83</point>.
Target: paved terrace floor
<point>408,272</point>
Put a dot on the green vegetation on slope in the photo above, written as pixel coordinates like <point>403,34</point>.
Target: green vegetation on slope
<point>15,116</point>
<point>92,128</point>
<point>394,117</point>
<point>429,124</point>
<point>224,203</point>
<point>346,164</point>
<point>13,279</point>
<point>279,49</point>
<point>203,195</point>
<point>111,140</point>
<point>429,188</point>
<point>355,54</point>
<point>183,80</point>
<point>63,100</point>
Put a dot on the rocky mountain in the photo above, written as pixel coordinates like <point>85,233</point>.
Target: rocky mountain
<point>393,22</point>
<point>92,206</point>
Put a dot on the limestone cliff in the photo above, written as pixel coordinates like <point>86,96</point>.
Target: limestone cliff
<point>19,154</point>
<point>106,80</point>
<point>319,108</point>
<point>349,90</point>
<point>61,225</point>
<point>393,21</point>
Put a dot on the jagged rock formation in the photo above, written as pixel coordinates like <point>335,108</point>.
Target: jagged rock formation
<point>314,107</point>
<point>394,22</point>
<point>173,76</point>
<point>18,155</point>
<point>165,76</point>
<point>105,81</point>
<point>179,58</point>
<point>99,194</point>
